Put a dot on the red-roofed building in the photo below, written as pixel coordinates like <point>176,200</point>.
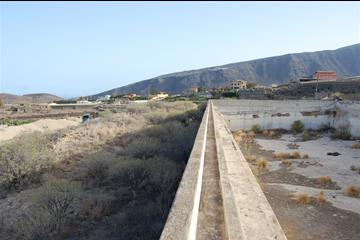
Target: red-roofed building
<point>324,75</point>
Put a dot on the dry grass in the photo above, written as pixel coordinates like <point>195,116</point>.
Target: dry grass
<point>281,155</point>
<point>310,135</point>
<point>305,156</point>
<point>293,146</point>
<point>262,163</point>
<point>352,191</point>
<point>286,162</point>
<point>303,198</point>
<point>356,146</point>
<point>251,158</point>
<point>324,180</point>
<point>320,197</point>
<point>271,133</point>
<point>241,136</point>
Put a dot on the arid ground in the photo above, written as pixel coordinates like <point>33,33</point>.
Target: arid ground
<point>307,188</point>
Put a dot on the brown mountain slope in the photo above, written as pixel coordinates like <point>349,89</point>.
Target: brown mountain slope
<point>345,61</point>
<point>28,98</point>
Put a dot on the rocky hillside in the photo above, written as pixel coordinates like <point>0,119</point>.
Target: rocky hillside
<point>28,98</point>
<point>345,61</point>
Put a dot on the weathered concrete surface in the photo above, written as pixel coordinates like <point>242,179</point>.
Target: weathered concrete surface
<point>274,114</point>
<point>182,220</point>
<point>211,215</point>
<point>248,214</point>
<point>219,197</point>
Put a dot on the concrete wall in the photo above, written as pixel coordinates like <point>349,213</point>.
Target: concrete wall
<point>182,220</point>
<point>274,114</point>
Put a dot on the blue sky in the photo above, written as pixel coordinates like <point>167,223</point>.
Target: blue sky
<point>79,48</point>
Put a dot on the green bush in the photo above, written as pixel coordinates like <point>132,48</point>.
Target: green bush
<point>297,127</point>
<point>256,128</point>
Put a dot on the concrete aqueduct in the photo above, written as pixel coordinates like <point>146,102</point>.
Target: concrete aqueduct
<point>218,196</point>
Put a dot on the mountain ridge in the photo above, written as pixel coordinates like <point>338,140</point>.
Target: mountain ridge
<point>29,98</point>
<point>276,69</point>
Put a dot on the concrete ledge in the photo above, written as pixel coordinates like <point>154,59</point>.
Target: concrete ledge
<point>248,214</point>
<point>182,219</point>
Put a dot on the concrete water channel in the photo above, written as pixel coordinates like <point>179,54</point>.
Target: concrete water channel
<point>218,196</point>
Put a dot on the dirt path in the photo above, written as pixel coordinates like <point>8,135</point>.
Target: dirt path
<point>211,216</point>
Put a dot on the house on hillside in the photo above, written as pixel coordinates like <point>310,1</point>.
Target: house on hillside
<point>159,96</point>
<point>238,85</point>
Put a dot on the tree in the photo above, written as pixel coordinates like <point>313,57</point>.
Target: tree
<point>1,103</point>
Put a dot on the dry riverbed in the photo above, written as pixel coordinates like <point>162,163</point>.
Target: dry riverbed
<point>333,215</point>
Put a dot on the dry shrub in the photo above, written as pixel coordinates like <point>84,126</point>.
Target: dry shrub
<point>320,197</point>
<point>23,159</point>
<point>251,158</point>
<point>271,133</point>
<point>97,205</point>
<point>296,155</point>
<point>286,162</point>
<point>352,191</point>
<point>256,128</point>
<point>262,163</point>
<point>143,147</point>
<point>293,146</point>
<point>305,156</point>
<point>356,146</point>
<point>343,133</point>
<point>244,137</point>
<point>95,169</point>
<point>281,155</point>
<point>52,206</point>
<point>324,180</point>
<point>310,135</point>
<point>303,198</point>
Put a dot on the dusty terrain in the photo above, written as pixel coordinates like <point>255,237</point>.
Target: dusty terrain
<point>9,132</point>
<point>283,181</point>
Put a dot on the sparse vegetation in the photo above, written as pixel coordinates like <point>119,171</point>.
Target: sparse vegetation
<point>324,180</point>
<point>343,133</point>
<point>118,171</point>
<point>281,155</point>
<point>320,197</point>
<point>293,146</point>
<point>305,156</point>
<point>262,163</point>
<point>15,122</point>
<point>356,146</point>
<point>310,135</point>
<point>23,159</point>
<point>271,133</point>
<point>303,198</point>
<point>256,128</point>
<point>286,162</point>
<point>297,127</point>
<point>352,191</point>
<point>251,158</point>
